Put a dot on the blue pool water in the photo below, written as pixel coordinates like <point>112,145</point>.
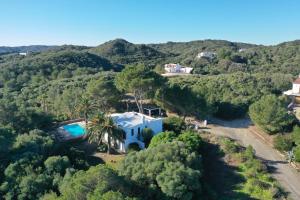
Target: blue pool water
<point>74,129</point>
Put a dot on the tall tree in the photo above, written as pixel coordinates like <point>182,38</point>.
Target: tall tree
<point>101,126</point>
<point>84,106</point>
<point>182,100</point>
<point>103,93</point>
<point>140,81</point>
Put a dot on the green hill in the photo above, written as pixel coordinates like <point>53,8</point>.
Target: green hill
<point>19,71</point>
<point>123,52</point>
<point>31,48</point>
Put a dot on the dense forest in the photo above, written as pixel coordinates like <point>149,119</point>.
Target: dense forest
<point>53,84</point>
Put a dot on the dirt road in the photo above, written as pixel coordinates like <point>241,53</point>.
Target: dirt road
<point>238,130</point>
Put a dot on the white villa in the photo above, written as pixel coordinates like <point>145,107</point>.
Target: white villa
<point>177,68</point>
<point>132,123</point>
<point>206,54</point>
<point>23,54</point>
<point>294,93</point>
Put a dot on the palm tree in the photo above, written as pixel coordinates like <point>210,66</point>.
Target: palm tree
<point>84,106</point>
<point>101,125</point>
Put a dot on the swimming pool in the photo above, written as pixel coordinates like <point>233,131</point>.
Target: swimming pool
<point>74,130</point>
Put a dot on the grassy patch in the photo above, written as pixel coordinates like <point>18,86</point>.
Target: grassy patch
<point>112,160</point>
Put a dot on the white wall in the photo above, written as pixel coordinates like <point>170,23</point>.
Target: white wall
<point>296,88</point>
<point>155,125</point>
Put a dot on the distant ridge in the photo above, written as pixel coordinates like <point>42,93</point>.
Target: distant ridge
<point>30,48</point>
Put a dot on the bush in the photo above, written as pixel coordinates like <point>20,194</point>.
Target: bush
<point>163,137</point>
<point>93,183</point>
<point>57,164</point>
<point>270,113</point>
<point>192,140</point>
<point>229,146</point>
<point>297,153</point>
<point>175,124</point>
<point>170,170</point>
<point>147,134</point>
<point>248,154</point>
<point>296,135</point>
<point>283,143</point>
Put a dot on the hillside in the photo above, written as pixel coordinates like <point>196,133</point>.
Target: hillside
<point>31,48</point>
<point>70,60</point>
<point>123,52</point>
<point>18,71</point>
<point>198,46</point>
<point>232,57</point>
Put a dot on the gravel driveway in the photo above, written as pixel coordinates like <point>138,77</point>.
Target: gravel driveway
<point>238,130</point>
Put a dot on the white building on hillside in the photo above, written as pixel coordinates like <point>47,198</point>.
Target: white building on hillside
<point>23,54</point>
<point>132,123</point>
<point>207,54</point>
<point>294,93</point>
<point>177,68</point>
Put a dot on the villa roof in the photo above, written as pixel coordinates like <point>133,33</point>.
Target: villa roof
<point>130,119</point>
<point>297,81</point>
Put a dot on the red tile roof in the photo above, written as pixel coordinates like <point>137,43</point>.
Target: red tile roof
<point>297,81</point>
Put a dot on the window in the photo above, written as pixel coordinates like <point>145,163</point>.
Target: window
<point>132,132</point>
<point>124,135</point>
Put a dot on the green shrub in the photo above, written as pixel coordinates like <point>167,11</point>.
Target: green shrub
<point>175,124</point>
<point>296,135</point>
<point>163,137</point>
<point>191,139</point>
<point>171,171</point>
<point>297,153</point>
<point>229,146</point>
<point>283,143</point>
<point>248,154</point>
<point>57,164</point>
<point>270,114</point>
<point>147,134</point>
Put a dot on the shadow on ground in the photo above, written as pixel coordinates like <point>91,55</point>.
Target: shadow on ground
<point>222,178</point>
<point>237,123</point>
<point>271,164</point>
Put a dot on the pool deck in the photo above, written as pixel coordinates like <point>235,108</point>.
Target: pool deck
<point>63,135</point>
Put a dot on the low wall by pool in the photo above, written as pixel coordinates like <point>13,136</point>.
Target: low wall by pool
<point>70,131</point>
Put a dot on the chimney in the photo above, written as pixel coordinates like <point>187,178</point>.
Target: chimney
<point>143,118</point>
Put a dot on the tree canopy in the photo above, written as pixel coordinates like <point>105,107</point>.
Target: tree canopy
<point>140,81</point>
<point>270,113</point>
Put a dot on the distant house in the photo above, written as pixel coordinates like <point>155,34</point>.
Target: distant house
<point>133,123</point>
<point>242,50</point>
<point>23,54</point>
<point>207,54</point>
<point>177,68</point>
<point>294,93</point>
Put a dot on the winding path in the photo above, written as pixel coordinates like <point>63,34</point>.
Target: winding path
<point>239,130</point>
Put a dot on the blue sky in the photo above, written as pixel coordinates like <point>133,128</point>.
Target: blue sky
<point>92,22</point>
